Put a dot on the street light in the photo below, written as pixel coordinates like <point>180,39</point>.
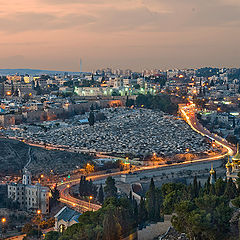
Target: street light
<point>39,214</point>
<point>3,222</point>
<point>90,198</point>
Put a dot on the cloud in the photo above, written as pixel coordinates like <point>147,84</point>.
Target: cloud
<point>26,21</point>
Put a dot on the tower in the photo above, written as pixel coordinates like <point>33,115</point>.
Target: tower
<point>26,177</point>
<point>80,66</point>
<point>212,179</point>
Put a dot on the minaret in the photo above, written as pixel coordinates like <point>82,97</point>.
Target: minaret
<point>26,177</point>
<point>212,180</point>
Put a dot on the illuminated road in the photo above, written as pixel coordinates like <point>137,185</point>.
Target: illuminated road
<point>188,112</point>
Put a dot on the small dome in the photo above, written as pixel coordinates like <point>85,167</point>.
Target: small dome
<point>228,165</point>
<point>212,171</point>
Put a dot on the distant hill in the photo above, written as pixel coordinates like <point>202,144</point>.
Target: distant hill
<point>32,71</point>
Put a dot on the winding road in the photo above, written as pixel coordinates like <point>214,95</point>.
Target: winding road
<point>188,113</point>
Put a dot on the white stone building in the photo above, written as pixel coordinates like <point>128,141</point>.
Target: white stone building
<point>30,197</point>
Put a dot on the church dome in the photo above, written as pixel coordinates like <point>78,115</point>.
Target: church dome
<point>228,164</point>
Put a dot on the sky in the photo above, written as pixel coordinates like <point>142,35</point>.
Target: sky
<point>135,34</point>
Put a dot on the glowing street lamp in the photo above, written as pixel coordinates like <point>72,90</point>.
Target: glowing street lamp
<point>3,222</point>
<point>90,198</point>
<point>39,214</point>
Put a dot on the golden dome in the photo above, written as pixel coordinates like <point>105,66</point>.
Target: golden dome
<point>236,157</point>
<point>212,171</point>
<point>228,165</point>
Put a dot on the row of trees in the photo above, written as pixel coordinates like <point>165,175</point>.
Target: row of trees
<point>118,217</point>
<point>87,188</point>
<point>202,212</point>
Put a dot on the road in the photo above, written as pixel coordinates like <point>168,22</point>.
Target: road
<point>188,112</point>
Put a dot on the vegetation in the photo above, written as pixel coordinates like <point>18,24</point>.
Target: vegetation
<point>55,195</point>
<point>202,212</point>
<point>87,188</point>
<point>158,102</point>
<point>91,119</point>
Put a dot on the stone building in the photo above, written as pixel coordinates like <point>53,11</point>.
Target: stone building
<point>65,218</point>
<point>30,197</point>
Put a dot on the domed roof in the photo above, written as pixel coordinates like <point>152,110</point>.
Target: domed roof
<point>212,171</point>
<point>236,157</point>
<point>228,164</point>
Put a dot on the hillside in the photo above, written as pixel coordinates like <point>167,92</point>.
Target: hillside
<point>15,154</point>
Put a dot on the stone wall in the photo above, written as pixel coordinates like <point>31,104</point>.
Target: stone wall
<point>154,230</point>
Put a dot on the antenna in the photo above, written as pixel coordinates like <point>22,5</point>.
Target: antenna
<point>80,65</point>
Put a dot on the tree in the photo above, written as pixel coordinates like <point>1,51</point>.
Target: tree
<point>220,187</point>
<point>195,187</point>
<point>55,195</point>
<point>100,194</point>
<point>232,139</point>
<point>53,235</point>
<point>236,202</point>
<point>91,119</point>
<point>230,190</point>
<point>208,218</point>
<point>151,201</point>
<point>89,168</point>
<point>142,211</point>
<point>111,226</point>
<point>110,188</point>
<point>27,228</point>
<point>129,102</point>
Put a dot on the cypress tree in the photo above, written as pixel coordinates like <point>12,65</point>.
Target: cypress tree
<point>195,187</point>
<point>91,119</point>
<point>100,194</point>
<point>151,201</point>
<point>230,190</point>
<point>110,188</point>
<point>81,186</point>
<point>142,211</point>
<point>111,226</point>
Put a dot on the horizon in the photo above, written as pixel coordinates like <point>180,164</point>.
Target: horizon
<point>135,34</point>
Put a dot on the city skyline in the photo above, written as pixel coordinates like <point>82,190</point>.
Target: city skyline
<point>54,35</point>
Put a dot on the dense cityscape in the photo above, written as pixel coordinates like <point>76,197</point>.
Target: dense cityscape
<point>119,120</point>
<point>125,154</point>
